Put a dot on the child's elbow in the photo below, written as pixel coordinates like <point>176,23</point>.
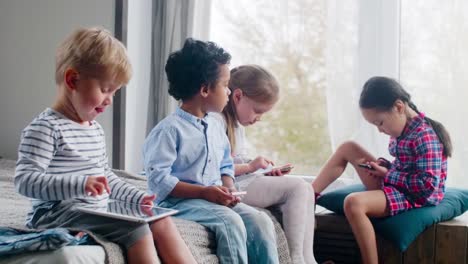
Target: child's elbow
<point>18,185</point>
<point>19,182</point>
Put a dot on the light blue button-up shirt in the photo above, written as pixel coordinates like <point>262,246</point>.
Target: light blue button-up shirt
<point>183,147</point>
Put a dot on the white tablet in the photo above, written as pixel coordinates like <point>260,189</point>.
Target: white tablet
<point>129,211</point>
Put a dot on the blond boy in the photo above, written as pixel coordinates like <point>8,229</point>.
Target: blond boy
<point>62,161</point>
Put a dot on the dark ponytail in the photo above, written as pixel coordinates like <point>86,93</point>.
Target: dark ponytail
<point>382,92</point>
<point>440,130</point>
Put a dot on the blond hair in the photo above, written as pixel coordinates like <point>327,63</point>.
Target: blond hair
<point>257,84</point>
<point>94,53</point>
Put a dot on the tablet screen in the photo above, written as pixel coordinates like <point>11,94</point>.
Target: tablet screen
<point>130,211</point>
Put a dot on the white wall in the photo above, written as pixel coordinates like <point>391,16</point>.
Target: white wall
<point>30,31</point>
<point>139,48</point>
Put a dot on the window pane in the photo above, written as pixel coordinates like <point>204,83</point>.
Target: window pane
<point>288,38</point>
<point>433,68</point>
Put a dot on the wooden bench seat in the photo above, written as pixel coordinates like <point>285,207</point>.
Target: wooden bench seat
<point>445,242</point>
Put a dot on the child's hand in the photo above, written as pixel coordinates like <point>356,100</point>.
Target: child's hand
<point>96,185</point>
<point>384,163</point>
<point>218,194</point>
<point>148,200</point>
<point>275,172</point>
<point>147,204</point>
<point>379,171</point>
<point>236,199</point>
<point>259,163</point>
<point>280,171</point>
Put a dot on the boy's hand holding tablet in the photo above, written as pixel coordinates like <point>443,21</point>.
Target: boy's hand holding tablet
<point>96,185</point>
<point>148,200</point>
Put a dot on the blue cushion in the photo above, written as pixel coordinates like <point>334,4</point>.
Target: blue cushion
<point>402,229</point>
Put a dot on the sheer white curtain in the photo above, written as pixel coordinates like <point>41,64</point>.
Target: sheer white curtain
<point>434,70</point>
<point>422,44</point>
<point>155,29</point>
<point>173,22</point>
<point>358,37</point>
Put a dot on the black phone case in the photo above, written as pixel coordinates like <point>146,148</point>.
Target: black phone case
<point>366,166</point>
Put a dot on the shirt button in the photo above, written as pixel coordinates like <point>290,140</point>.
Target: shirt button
<point>209,160</point>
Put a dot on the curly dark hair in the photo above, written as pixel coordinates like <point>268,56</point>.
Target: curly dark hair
<point>195,65</point>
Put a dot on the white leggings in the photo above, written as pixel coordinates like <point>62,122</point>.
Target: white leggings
<point>296,200</point>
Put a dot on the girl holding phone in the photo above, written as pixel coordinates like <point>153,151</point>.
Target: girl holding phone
<point>415,178</point>
<point>254,91</point>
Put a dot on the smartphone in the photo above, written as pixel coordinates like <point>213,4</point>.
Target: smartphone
<point>384,163</point>
<point>283,169</point>
<point>239,193</point>
<point>366,166</point>
<point>286,168</point>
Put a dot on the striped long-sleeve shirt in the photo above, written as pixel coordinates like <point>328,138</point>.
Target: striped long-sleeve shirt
<point>55,158</point>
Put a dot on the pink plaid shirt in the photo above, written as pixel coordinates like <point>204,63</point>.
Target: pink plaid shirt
<point>419,169</point>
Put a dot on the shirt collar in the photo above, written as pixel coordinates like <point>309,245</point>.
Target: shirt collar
<point>413,124</point>
<point>191,118</point>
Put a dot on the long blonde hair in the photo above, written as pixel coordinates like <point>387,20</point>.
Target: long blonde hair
<point>257,84</point>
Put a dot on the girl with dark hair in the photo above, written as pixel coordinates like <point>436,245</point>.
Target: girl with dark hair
<point>415,178</point>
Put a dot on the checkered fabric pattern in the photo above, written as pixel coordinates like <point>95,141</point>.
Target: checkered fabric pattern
<point>417,175</point>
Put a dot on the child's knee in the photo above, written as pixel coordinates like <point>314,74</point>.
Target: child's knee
<point>267,222</point>
<point>261,228</point>
<point>303,186</point>
<point>163,225</point>
<point>296,183</point>
<point>143,241</point>
<point>353,204</point>
<point>263,223</point>
<point>348,145</point>
<point>297,187</point>
<point>232,223</point>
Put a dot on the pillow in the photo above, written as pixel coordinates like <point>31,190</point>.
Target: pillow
<point>402,229</point>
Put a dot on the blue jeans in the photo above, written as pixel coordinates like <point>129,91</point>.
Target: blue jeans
<point>240,231</point>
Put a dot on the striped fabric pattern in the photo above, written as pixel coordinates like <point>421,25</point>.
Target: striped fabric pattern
<point>55,158</point>
<point>417,175</point>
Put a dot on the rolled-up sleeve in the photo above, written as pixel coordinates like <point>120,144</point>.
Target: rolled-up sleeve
<point>227,164</point>
<point>159,154</point>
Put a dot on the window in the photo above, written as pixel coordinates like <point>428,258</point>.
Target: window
<point>322,52</point>
<point>288,38</point>
<point>433,64</point>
